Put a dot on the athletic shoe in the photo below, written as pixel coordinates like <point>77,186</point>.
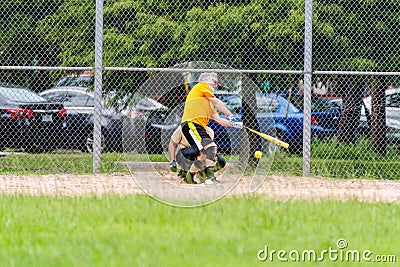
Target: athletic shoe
<point>212,181</point>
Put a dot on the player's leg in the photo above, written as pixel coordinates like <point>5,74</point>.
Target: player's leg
<point>221,162</point>
<point>198,139</point>
<point>183,164</point>
<point>211,153</point>
<point>185,158</point>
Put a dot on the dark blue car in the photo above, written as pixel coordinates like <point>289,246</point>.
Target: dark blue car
<point>281,118</point>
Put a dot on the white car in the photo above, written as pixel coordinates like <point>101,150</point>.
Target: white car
<point>392,108</point>
<point>392,102</point>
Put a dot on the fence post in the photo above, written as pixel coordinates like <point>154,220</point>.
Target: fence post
<point>307,87</point>
<point>98,83</point>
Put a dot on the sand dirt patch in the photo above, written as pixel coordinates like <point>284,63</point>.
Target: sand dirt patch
<point>274,187</point>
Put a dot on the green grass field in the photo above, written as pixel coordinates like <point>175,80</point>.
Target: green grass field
<point>136,230</point>
<point>341,163</point>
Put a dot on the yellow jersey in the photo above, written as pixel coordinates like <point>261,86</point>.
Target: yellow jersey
<point>198,108</point>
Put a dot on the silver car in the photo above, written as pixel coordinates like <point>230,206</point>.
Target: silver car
<point>392,102</point>
<point>79,102</point>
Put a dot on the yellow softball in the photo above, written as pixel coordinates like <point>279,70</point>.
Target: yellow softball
<point>258,154</point>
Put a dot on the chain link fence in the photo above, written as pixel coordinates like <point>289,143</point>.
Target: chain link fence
<point>96,77</point>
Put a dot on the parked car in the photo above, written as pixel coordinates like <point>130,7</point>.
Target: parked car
<point>79,101</point>
<point>28,120</point>
<point>279,117</point>
<point>392,101</point>
<point>160,122</point>
<point>84,79</point>
<point>337,102</point>
<point>275,116</point>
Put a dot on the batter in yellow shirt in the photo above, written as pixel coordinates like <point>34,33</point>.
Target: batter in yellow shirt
<point>198,108</point>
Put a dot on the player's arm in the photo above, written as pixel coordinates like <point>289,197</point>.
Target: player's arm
<point>172,149</point>
<point>220,106</point>
<point>175,139</point>
<point>172,152</point>
<point>224,122</point>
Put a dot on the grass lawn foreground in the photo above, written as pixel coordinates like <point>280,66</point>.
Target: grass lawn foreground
<point>136,230</point>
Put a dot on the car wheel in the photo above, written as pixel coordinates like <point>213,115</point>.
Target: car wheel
<point>153,140</point>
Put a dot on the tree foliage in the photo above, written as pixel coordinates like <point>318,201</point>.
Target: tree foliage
<point>247,34</point>
<point>257,34</point>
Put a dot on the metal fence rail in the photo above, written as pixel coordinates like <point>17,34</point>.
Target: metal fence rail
<point>123,69</point>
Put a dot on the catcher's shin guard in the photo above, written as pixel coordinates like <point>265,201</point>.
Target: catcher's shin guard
<point>211,152</point>
<point>200,164</point>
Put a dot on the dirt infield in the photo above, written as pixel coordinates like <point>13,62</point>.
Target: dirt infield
<point>274,187</point>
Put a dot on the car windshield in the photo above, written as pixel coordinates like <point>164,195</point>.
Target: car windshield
<point>20,95</point>
<point>266,104</point>
<point>317,104</point>
<point>83,81</point>
<point>393,101</point>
